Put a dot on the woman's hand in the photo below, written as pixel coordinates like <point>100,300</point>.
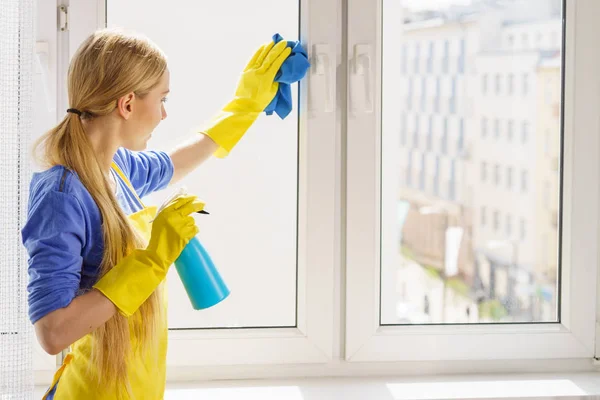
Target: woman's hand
<point>129,283</point>
<point>257,87</point>
<point>255,90</point>
<point>173,228</point>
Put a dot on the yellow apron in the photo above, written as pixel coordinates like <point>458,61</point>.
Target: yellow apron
<point>147,379</point>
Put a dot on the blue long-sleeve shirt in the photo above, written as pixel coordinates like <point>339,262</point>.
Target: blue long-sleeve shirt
<point>63,234</point>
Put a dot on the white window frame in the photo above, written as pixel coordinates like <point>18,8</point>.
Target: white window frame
<point>574,337</point>
<point>338,329</point>
<point>318,215</point>
<point>47,49</point>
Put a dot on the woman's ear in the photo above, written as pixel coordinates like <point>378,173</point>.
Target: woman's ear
<point>125,105</point>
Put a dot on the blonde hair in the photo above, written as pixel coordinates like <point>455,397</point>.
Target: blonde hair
<point>108,65</point>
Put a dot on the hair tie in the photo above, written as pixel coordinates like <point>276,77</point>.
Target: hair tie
<point>74,111</point>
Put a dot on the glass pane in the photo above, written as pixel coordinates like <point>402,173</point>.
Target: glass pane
<point>470,205</point>
<point>252,194</point>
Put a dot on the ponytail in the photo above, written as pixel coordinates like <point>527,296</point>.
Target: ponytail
<point>67,144</point>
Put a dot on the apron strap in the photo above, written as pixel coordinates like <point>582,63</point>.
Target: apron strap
<point>124,178</point>
<point>58,374</point>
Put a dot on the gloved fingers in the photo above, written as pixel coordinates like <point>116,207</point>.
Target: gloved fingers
<point>191,207</point>
<point>266,50</point>
<point>274,88</point>
<point>179,202</point>
<point>189,232</point>
<point>253,60</point>
<point>188,221</point>
<point>276,65</point>
<point>274,54</point>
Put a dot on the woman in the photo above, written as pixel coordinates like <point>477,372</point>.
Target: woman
<point>97,255</point>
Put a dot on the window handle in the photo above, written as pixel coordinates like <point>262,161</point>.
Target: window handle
<point>321,79</point>
<point>362,79</point>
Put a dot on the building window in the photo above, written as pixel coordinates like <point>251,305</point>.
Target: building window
<point>423,93</point>
<point>497,129</point>
<point>446,59</point>
<point>509,178</point>
<point>461,135</point>
<point>445,137</point>
<point>452,184</point>
<point>524,183</point>
<point>430,133</point>
<point>461,57</point>
<point>496,221</point>
<point>525,40</point>
<point>482,216</point>
<point>498,82</point>
<point>436,177</point>
<point>497,175</point>
<point>538,40</point>
<point>508,226</point>
<point>524,132</point>
<point>510,41</point>
<point>510,83</point>
<point>484,125</point>
<point>510,128</point>
<point>410,94</point>
<point>416,133</point>
<point>452,104</point>
<point>430,57</point>
<point>523,229</point>
<point>483,172</point>
<point>438,94</point>
<point>484,83</point>
<point>525,84</point>
<point>417,56</point>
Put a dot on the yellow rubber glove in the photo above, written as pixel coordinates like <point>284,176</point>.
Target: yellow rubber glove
<point>129,283</point>
<point>256,89</point>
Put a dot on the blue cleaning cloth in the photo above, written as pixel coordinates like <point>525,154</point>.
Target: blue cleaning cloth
<point>292,70</point>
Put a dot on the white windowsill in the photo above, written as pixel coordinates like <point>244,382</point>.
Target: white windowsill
<point>539,386</point>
